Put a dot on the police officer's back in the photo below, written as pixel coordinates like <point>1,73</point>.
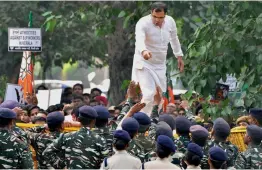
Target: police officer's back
<point>121,159</point>
<point>144,124</point>
<point>101,126</point>
<point>220,132</point>
<point>14,153</point>
<point>217,158</point>
<point>40,141</point>
<point>199,135</point>
<point>82,149</point>
<point>165,147</point>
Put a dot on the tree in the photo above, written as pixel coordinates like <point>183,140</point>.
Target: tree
<point>234,48</point>
<point>114,23</point>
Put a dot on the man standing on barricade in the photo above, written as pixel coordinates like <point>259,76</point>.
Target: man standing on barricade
<point>153,33</point>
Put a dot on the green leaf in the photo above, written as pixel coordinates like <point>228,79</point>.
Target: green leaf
<point>58,16</point>
<point>243,94</point>
<point>248,102</point>
<point>252,90</point>
<point>47,26</point>
<point>203,82</point>
<point>260,57</point>
<point>250,48</point>
<point>50,18</point>
<point>97,32</point>
<point>213,68</point>
<point>190,45</point>
<point>188,94</point>
<point>197,19</point>
<point>127,20</point>
<point>239,103</point>
<point>251,79</point>
<point>46,13</point>
<point>121,14</point>
<point>246,23</point>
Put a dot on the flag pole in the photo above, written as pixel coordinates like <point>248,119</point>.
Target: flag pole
<point>30,25</point>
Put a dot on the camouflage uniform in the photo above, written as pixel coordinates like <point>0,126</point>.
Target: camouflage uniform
<point>80,150</point>
<point>124,110</point>
<point>145,142</point>
<point>204,160</point>
<point>231,150</point>
<point>21,134</point>
<point>14,152</point>
<point>40,141</point>
<point>155,120</point>
<point>136,150</point>
<point>181,145</point>
<point>250,159</point>
<point>108,135</point>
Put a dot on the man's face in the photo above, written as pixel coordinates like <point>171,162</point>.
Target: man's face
<point>77,102</point>
<point>171,108</point>
<point>96,93</point>
<point>158,17</point>
<point>242,124</point>
<point>86,100</point>
<point>33,113</point>
<point>177,103</point>
<point>78,90</point>
<point>181,113</point>
<point>247,139</point>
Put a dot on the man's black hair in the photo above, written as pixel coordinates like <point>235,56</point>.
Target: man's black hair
<point>76,96</point>
<point>159,7</point>
<point>80,85</point>
<point>96,89</point>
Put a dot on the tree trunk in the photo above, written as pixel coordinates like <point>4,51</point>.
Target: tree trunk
<point>120,63</point>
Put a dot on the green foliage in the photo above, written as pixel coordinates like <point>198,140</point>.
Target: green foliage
<point>3,81</point>
<point>228,43</point>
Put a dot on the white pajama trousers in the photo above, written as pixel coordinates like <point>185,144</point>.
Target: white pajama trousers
<point>149,79</point>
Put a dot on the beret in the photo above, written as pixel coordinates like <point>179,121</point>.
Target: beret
<point>196,149</point>
<point>142,118</point>
<point>217,154</point>
<point>122,134</point>
<point>9,104</point>
<point>168,119</point>
<point>130,125</point>
<point>257,114</point>
<point>102,112</point>
<point>165,143</point>
<point>221,128</point>
<point>199,131</point>
<point>55,118</point>
<point>7,113</point>
<point>87,112</point>
<point>255,132</point>
<point>182,124</point>
<point>162,128</point>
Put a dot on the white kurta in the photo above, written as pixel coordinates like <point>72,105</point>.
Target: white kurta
<point>151,73</point>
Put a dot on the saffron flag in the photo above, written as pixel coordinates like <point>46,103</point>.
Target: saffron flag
<point>26,77</point>
<point>168,96</point>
